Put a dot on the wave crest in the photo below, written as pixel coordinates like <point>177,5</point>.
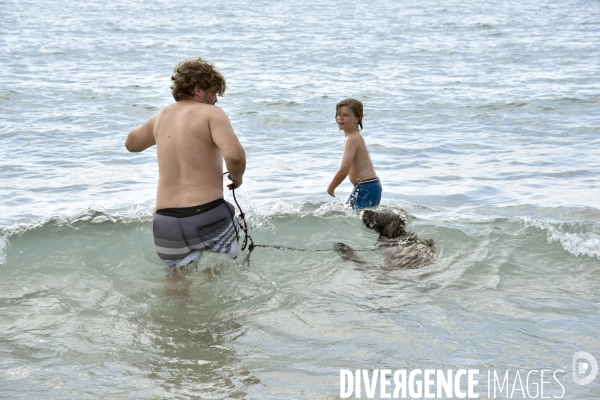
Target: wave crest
<point>94,214</point>
<point>578,238</point>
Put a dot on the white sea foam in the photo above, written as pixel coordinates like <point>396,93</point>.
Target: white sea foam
<point>583,243</point>
<point>333,206</point>
<point>281,207</point>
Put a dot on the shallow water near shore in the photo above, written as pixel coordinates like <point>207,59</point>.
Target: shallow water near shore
<point>82,319</point>
<point>482,122</point>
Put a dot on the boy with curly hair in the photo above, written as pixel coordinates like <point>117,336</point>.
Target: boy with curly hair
<point>192,138</point>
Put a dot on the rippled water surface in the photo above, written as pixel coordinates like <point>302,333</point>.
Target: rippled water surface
<point>483,122</point>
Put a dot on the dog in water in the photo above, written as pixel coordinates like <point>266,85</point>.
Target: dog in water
<point>402,249</point>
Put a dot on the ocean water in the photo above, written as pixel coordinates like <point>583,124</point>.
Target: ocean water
<point>483,123</point>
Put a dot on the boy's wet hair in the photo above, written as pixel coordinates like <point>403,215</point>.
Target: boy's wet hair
<point>356,106</point>
<point>192,73</point>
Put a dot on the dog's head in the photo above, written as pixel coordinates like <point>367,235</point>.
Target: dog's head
<point>384,222</point>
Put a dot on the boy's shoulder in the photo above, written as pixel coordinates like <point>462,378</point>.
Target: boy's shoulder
<point>356,138</point>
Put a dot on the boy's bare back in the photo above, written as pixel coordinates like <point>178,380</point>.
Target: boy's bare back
<point>188,136</point>
<point>192,139</point>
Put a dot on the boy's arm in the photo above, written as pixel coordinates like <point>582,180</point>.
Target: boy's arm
<point>347,159</point>
<point>228,143</point>
<point>142,137</point>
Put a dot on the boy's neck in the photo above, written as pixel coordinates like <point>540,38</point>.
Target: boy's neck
<point>351,132</point>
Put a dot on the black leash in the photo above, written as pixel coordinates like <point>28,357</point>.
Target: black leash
<point>244,226</point>
<point>251,246</point>
<point>248,238</point>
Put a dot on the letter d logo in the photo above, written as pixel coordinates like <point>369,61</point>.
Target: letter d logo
<point>581,367</point>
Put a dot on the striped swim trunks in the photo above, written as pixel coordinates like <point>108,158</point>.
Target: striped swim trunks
<point>180,234</point>
<point>366,193</point>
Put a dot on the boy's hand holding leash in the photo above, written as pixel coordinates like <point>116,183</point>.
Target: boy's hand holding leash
<point>236,182</point>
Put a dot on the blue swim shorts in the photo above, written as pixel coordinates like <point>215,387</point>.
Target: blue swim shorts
<point>366,193</point>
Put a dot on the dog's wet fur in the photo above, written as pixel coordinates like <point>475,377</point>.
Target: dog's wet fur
<point>402,249</point>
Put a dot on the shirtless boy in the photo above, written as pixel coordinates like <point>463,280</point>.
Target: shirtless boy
<point>192,138</point>
<point>356,162</point>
